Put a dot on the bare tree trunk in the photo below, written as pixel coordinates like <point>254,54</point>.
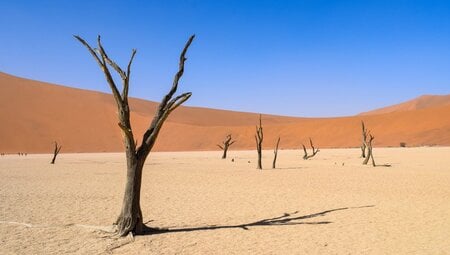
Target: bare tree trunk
<point>314,150</point>
<point>130,219</point>
<point>305,156</point>
<point>259,139</point>
<point>363,142</point>
<point>373,160</point>
<point>224,155</point>
<point>226,144</point>
<point>367,158</point>
<point>275,152</point>
<point>55,153</point>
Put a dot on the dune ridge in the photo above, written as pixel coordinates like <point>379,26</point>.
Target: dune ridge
<point>422,102</point>
<point>34,114</point>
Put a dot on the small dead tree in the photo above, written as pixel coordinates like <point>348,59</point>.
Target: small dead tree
<point>368,144</point>
<point>226,144</point>
<point>363,141</point>
<point>259,139</point>
<point>130,219</point>
<point>314,150</point>
<point>275,152</point>
<point>55,152</point>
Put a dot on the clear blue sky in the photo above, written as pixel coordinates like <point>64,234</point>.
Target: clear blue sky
<point>299,58</point>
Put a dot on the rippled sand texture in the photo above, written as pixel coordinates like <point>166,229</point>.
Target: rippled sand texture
<point>328,205</point>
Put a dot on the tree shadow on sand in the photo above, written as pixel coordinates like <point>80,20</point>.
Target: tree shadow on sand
<point>286,219</point>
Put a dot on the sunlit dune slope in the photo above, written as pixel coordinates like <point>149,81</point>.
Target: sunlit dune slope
<point>422,102</point>
<point>34,114</point>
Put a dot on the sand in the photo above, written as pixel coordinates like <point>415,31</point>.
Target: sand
<point>422,102</point>
<point>86,121</point>
<point>328,205</point>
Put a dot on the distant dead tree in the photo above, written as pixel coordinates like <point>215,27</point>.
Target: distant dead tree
<point>363,141</point>
<point>226,144</point>
<point>130,219</point>
<point>275,152</point>
<point>259,139</point>
<point>368,145</point>
<point>55,152</point>
<point>314,150</point>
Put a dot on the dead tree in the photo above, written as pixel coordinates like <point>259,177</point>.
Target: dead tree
<point>314,150</point>
<point>226,144</point>
<point>368,144</point>
<point>130,218</point>
<point>55,152</point>
<point>259,139</point>
<point>275,152</point>
<point>363,141</point>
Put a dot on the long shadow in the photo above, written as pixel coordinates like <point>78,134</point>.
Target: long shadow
<point>287,168</point>
<point>286,219</point>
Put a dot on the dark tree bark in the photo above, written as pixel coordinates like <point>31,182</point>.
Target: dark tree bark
<point>55,153</point>
<point>314,150</point>
<point>226,144</point>
<point>130,218</point>
<point>259,137</point>
<point>364,138</point>
<point>275,152</point>
<point>305,157</point>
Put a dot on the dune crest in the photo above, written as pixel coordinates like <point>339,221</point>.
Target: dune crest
<point>422,102</point>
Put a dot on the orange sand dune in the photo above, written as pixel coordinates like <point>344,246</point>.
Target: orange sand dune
<point>422,102</point>
<point>34,114</point>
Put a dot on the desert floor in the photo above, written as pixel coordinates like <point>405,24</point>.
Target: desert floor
<point>330,204</point>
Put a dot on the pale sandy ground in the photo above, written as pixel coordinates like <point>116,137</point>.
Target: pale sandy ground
<point>328,205</point>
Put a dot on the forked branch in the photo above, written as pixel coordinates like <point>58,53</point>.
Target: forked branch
<point>368,144</point>
<point>167,105</point>
<point>104,61</point>
<point>55,153</point>
<point>369,156</point>
<point>226,145</point>
<point>314,150</point>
